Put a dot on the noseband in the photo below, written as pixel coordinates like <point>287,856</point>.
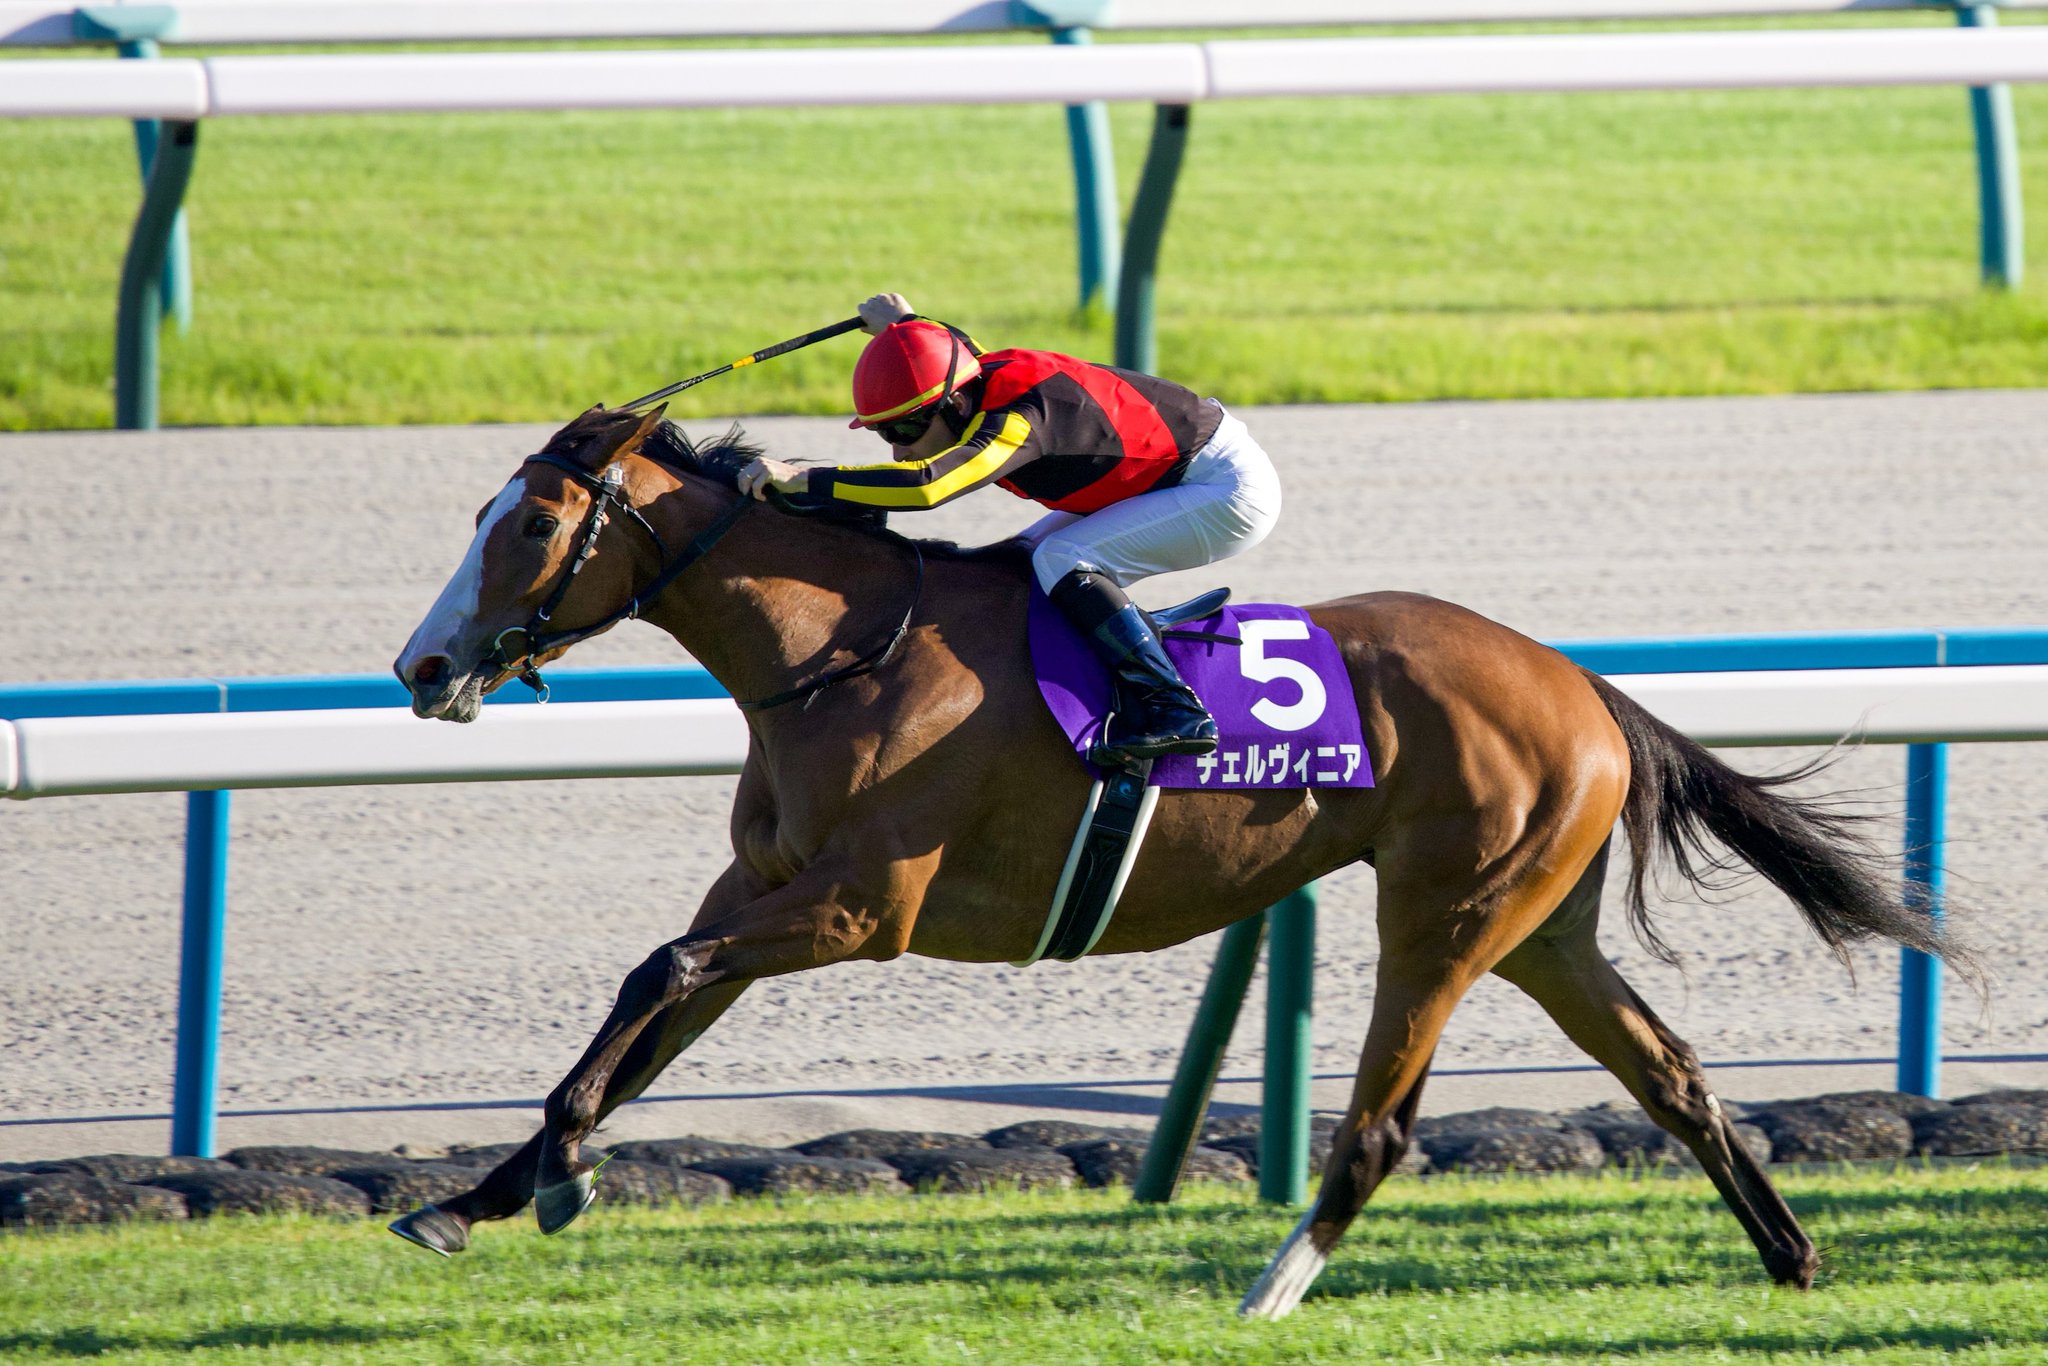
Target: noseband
<point>605,493</point>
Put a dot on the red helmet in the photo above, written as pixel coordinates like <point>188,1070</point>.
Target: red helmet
<point>906,368</point>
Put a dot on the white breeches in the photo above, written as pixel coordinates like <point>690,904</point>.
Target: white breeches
<point>1228,498</point>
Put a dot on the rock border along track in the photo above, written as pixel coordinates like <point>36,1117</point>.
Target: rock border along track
<point>1857,1126</point>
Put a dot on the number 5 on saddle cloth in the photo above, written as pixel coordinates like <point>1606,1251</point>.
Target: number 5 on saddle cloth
<point>1283,706</point>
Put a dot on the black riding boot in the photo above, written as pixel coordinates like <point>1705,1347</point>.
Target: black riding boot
<point>1156,712</point>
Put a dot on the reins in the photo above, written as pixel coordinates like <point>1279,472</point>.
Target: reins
<point>874,659</point>
<point>610,490</point>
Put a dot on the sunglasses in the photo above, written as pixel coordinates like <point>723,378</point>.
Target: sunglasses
<point>907,431</point>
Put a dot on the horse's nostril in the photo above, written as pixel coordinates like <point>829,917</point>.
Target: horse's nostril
<point>431,670</point>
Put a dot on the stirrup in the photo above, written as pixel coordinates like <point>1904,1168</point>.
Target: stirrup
<point>1194,609</point>
<point>1107,755</point>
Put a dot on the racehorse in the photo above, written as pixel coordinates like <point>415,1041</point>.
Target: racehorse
<point>906,791</point>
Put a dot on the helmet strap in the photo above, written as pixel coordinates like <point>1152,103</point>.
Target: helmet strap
<point>954,423</point>
<point>950,413</point>
<point>960,338</point>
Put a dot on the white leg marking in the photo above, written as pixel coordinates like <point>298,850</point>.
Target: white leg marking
<point>456,607</point>
<point>1293,1268</point>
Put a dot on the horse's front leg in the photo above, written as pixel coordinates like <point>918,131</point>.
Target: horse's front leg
<point>445,1225</point>
<point>830,912</point>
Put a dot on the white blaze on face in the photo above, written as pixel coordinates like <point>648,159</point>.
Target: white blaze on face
<point>456,608</point>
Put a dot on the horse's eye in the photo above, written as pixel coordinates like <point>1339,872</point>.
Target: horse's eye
<point>540,526</point>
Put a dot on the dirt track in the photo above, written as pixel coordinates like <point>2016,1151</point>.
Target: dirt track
<point>458,943</point>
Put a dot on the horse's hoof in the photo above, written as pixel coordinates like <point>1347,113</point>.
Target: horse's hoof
<point>433,1230</point>
<point>1287,1278</point>
<point>558,1205</point>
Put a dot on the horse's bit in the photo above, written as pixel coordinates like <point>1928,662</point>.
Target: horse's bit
<point>608,490</point>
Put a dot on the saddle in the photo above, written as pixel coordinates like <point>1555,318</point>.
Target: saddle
<point>1283,703</point>
<point>1111,831</point>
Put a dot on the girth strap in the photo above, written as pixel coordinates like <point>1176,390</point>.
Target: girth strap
<point>1111,832</point>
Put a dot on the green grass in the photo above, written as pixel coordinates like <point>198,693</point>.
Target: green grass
<point>1923,1266</point>
<point>463,268</point>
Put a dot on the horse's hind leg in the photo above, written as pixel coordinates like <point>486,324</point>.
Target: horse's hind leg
<point>1440,930</point>
<point>1569,977</point>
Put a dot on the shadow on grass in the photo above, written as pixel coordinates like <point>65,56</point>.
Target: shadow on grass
<point>1521,1209</point>
<point>1919,1335</point>
<point>1656,1240</point>
<point>2010,1205</point>
<point>92,1342</point>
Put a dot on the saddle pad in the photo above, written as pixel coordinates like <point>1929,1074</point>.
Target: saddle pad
<point>1280,696</point>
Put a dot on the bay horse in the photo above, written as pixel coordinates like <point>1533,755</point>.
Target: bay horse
<point>906,791</point>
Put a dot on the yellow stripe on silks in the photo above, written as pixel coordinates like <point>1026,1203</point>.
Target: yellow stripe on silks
<point>972,471</point>
<point>992,458</point>
<point>913,466</point>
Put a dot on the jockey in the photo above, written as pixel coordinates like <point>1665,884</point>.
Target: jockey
<point>1143,477</point>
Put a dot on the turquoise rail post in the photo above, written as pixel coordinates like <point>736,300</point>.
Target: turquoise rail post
<point>174,283</point>
<point>2001,230</point>
<point>1290,977</point>
<point>141,308</point>
<point>1180,1119</point>
<point>199,973</point>
<point>1095,222</point>
<point>1919,973</point>
<point>1137,346</point>
<point>136,30</point>
<point>1071,23</point>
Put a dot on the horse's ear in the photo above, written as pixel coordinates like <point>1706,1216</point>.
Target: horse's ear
<point>618,431</point>
<point>648,426</point>
<point>571,437</point>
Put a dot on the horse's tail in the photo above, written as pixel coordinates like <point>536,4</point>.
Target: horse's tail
<point>1679,795</point>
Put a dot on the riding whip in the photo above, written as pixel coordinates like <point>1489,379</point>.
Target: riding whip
<point>782,348</point>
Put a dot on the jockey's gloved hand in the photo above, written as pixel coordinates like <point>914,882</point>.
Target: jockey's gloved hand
<point>881,310</point>
<point>761,474</point>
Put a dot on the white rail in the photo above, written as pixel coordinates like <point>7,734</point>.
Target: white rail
<point>1168,73</point>
<point>37,23</point>
<point>1821,706</point>
<point>70,756</point>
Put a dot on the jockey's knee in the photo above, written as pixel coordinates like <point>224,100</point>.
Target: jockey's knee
<point>1055,558</point>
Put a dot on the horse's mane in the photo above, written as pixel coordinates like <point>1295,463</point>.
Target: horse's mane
<point>721,459</point>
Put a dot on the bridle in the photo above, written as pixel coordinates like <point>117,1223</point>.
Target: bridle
<point>608,492</point>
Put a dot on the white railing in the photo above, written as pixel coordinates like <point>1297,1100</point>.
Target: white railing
<point>71,756</point>
<point>1162,73</point>
<point>221,23</point>
<point>182,92</point>
<point>77,755</point>
<point>1876,706</point>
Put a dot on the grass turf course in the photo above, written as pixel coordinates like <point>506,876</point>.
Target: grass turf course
<point>520,267</point>
<point>1922,1266</point>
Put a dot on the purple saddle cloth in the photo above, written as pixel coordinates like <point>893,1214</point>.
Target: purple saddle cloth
<point>1277,689</point>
